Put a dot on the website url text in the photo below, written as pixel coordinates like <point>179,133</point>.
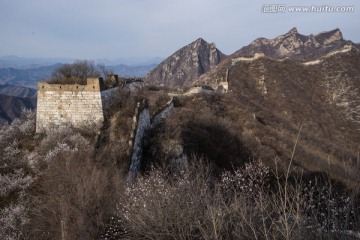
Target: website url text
<point>282,8</point>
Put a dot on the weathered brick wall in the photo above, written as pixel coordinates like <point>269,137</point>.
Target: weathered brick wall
<point>77,105</point>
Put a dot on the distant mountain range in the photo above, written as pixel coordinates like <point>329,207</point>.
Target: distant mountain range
<point>131,61</point>
<point>132,71</point>
<point>30,77</point>
<point>26,77</point>
<point>27,63</point>
<point>17,91</point>
<point>13,99</point>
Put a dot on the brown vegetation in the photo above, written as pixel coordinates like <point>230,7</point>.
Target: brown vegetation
<point>191,204</point>
<point>72,198</point>
<point>79,71</point>
<point>68,183</point>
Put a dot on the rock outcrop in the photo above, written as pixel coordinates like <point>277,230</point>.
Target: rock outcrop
<point>186,64</point>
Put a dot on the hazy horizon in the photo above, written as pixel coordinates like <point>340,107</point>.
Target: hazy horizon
<point>143,29</point>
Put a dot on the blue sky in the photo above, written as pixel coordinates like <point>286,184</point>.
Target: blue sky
<point>112,29</point>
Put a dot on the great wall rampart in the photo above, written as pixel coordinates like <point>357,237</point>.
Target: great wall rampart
<point>83,105</point>
<point>142,122</point>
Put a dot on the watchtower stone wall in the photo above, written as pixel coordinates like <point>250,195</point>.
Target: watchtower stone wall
<point>76,105</point>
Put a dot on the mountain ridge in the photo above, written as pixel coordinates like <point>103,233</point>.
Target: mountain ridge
<point>187,63</point>
<point>295,45</point>
<point>327,43</point>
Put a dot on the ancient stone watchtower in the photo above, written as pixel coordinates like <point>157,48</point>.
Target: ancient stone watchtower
<point>73,104</point>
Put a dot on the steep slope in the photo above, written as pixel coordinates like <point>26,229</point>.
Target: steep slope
<point>186,64</point>
<point>271,99</point>
<point>11,107</point>
<point>295,45</point>
<point>17,91</point>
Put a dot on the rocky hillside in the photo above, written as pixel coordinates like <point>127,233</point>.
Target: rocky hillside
<point>295,45</point>
<point>186,64</point>
<point>11,107</point>
<point>273,98</point>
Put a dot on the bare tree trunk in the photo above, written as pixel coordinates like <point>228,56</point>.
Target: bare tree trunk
<point>62,222</point>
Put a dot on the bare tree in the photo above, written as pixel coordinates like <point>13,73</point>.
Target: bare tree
<point>76,72</point>
<point>109,78</point>
<point>104,71</point>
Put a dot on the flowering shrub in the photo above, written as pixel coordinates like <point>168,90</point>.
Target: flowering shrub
<point>151,206</point>
<point>331,209</point>
<point>12,221</point>
<point>238,205</point>
<point>248,181</point>
<point>186,204</point>
<point>24,156</point>
<point>11,155</point>
<point>27,126</point>
<point>61,136</point>
<point>20,127</point>
<point>10,137</point>
<point>13,181</point>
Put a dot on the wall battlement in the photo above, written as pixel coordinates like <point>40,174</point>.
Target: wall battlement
<point>93,85</point>
<point>72,104</point>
